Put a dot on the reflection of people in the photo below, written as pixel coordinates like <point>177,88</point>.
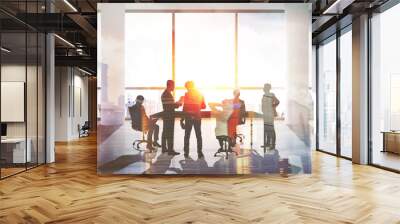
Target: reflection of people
<point>269,104</point>
<point>238,116</point>
<point>141,122</point>
<point>193,103</point>
<point>221,117</point>
<point>169,105</point>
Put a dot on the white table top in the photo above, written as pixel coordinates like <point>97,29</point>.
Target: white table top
<point>12,140</point>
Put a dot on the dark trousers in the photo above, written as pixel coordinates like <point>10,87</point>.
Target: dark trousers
<point>269,135</point>
<point>167,138</point>
<point>153,131</point>
<point>189,124</point>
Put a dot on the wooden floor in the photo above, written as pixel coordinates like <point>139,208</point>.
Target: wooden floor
<point>70,191</point>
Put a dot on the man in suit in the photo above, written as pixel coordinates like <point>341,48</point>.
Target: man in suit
<point>141,122</point>
<point>193,103</point>
<point>169,106</point>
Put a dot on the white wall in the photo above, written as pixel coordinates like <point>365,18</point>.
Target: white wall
<point>71,102</point>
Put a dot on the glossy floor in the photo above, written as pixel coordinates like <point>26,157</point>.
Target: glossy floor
<point>70,191</point>
<point>386,159</point>
<point>292,155</point>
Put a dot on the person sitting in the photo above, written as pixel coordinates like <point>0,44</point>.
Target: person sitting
<point>141,122</point>
<point>237,117</point>
<point>222,118</point>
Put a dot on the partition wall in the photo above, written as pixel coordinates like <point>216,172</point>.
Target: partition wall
<point>22,61</point>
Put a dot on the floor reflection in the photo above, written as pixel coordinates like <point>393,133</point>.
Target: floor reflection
<point>291,156</point>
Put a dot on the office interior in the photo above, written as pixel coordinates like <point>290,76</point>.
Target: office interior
<point>51,92</point>
<point>31,120</point>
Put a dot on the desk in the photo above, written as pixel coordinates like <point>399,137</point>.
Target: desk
<point>13,150</point>
<point>203,113</point>
<point>391,141</point>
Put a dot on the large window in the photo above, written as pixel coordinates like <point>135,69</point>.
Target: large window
<point>198,34</point>
<point>335,60</point>
<point>385,84</point>
<point>257,34</point>
<point>327,96</point>
<point>247,51</point>
<point>148,61</point>
<point>346,94</point>
<point>262,56</point>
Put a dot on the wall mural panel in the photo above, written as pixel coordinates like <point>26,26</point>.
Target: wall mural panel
<point>204,89</point>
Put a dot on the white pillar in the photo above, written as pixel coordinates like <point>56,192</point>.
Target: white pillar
<point>50,99</point>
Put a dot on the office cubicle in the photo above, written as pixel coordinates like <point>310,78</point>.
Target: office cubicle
<point>22,78</point>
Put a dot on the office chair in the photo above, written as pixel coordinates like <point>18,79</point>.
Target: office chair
<point>138,143</point>
<point>225,146</point>
<point>84,130</point>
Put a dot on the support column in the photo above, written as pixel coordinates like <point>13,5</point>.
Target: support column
<point>360,90</point>
<point>50,99</point>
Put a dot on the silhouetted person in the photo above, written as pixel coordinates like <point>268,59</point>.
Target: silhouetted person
<point>193,103</point>
<point>269,104</point>
<point>169,105</point>
<point>222,112</point>
<point>237,117</point>
<point>141,122</point>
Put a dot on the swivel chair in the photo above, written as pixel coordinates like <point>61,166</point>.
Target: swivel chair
<point>226,148</point>
<point>138,143</point>
<point>84,129</point>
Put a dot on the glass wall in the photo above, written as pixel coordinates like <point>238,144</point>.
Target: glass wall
<point>334,63</point>
<point>346,93</point>
<point>327,96</point>
<point>22,93</point>
<point>385,89</point>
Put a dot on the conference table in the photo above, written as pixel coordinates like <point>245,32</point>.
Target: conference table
<point>206,114</point>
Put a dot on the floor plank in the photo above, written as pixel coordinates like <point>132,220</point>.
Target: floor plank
<point>70,191</point>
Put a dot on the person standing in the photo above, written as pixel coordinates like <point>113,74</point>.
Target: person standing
<point>269,104</point>
<point>169,106</point>
<point>193,103</point>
